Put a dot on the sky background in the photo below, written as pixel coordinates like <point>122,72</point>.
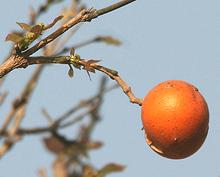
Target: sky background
<point>162,40</point>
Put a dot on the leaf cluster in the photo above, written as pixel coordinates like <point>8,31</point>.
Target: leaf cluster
<point>24,39</point>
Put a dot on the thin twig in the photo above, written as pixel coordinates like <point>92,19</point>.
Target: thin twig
<point>84,15</point>
<point>61,119</point>
<point>19,115</point>
<point>111,73</point>
<point>124,86</point>
<point>114,7</point>
<point>24,98</point>
<point>65,39</point>
<point>85,43</point>
<point>94,114</point>
<point>47,115</point>
<point>17,112</point>
<point>81,105</point>
<point>75,120</point>
<point>81,44</point>
<point>7,145</point>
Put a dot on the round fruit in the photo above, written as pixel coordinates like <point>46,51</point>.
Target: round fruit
<point>175,118</point>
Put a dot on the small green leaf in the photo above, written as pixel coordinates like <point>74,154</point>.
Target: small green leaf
<point>24,26</point>
<point>37,29</point>
<point>24,43</point>
<point>13,37</point>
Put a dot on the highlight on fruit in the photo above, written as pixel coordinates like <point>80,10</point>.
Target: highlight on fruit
<point>175,119</point>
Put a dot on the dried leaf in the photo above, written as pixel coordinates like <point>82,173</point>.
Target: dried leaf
<point>54,145</point>
<point>110,168</point>
<point>88,171</point>
<point>24,26</point>
<point>13,37</point>
<point>108,40</point>
<point>94,145</point>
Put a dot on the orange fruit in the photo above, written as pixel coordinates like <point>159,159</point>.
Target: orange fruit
<point>175,119</point>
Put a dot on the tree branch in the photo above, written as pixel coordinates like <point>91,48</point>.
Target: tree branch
<point>63,60</point>
<point>13,62</point>
<point>17,113</point>
<point>114,7</point>
<point>83,16</point>
<point>58,123</point>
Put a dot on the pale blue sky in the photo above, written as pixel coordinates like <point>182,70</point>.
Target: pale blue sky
<point>162,40</point>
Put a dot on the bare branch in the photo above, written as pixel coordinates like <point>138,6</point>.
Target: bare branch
<point>57,123</point>
<point>84,15</point>
<point>17,112</point>
<point>125,87</point>
<point>24,98</point>
<point>114,7</point>
<point>47,116</point>
<point>58,49</point>
<point>82,44</point>
<point>94,114</point>
<point>7,145</point>
<point>13,62</point>
<point>60,168</point>
<point>111,73</point>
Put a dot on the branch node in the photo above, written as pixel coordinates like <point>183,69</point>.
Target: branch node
<point>89,14</point>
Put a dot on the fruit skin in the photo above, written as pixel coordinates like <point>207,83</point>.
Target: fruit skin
<point>175,118</point>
